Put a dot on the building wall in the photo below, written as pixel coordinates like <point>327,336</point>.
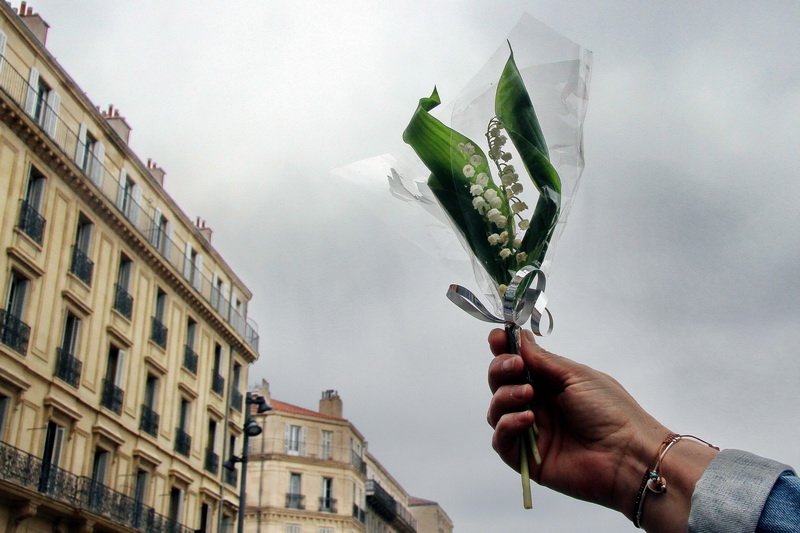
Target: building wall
<point>101,410</point>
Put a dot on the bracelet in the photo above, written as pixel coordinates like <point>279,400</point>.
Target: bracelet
<point>653,481</point>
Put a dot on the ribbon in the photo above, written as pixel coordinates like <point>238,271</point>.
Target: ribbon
<point>516,311</point>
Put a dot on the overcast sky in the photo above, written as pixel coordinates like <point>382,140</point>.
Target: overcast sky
<point>675,274</point>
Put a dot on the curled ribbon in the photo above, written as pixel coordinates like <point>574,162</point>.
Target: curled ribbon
<point>516,311</point>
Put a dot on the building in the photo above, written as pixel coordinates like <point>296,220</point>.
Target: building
<point>311,472</point>
<point>124,338</point>
<point>431,518</point>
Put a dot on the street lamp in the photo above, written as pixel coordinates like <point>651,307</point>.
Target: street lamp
<point>250,429</point>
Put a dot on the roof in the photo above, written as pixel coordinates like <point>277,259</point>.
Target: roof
<point>414,501</point>
<point>295,410</point>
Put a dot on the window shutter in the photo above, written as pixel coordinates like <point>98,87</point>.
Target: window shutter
<point>137,201</point>
<point>198,272</point>
<point>303,433</point>
<point>120,363</point>
<point>187,261</point>
<point>167,246</point>
<point>51,113</point>
<point>123,179</point>
<point>3,40</point>
<point>99,153</point>
<point>80,148</point>
<point>214,291</point>
<point>33,91</point>
<point>154,229</point>
<point>287,434</point>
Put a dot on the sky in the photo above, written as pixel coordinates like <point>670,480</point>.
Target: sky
<point>675,273</point>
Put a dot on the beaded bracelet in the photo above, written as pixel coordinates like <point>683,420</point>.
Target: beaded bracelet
<point>653,481</point>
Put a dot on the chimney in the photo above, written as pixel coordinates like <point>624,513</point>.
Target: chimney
<point>330,404</point>
<point>117,123</point>
<point>34,22</point>
<point>204,230</point>
<point>156,171</point>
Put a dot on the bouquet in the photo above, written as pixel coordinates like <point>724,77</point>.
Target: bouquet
<point>481,192</point>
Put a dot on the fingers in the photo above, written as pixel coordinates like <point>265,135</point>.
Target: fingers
<point>497,341</point>
<point>508,399</point>
<point>505,369</point>
<point>506,439</point>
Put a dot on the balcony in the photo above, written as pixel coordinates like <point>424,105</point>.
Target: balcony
<point>68,368</point>
<point>158,333</point>
<point>295,501</point>
<point>190,359</point>
<point>236,399</point>
<point>229,476</point>
<point>212,461</point>
<point>31,222</point>
<point>327,505</point>
<point>123,302</point>
<point>358,462</point>
<point>30,475</point>
<point>14,333</point>
<point>81,266</point>
<point>387,508</point>
<point>112,396</point>
<point>183,442</point>
<point>149,422</point>
<point>217,383</point>
<point>15,90</point>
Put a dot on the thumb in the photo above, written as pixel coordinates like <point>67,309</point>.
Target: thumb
<point>544,364</point>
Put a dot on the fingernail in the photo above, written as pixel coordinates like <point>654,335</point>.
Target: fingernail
<point>528,335</point>
<point>508,365</point>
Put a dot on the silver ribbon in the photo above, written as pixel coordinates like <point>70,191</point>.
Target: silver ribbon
<point>516,311</point>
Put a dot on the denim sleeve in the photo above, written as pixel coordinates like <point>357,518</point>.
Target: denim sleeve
<point>732,492</point>
<point>781,513</point>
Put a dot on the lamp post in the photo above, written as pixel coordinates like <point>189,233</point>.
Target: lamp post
<point>250,429</point>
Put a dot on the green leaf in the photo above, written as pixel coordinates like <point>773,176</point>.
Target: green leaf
<point>437,146</point>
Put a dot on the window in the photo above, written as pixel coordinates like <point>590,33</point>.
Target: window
<point>237,397</point>
<point>294,440</point>
<point>175,505</point>
<point>327,503</point>
<point>227,524</point>
<point>4,403</point>
<point>326,452</point>
<point>218,294</point>
<point>212,458</point>
<point>159,330</point>
<point>113,395</point>
<point>140,496</point>
<point>326,530</point>
<point>129,197</point>
<point>90,155</point>
<point>193,266</point>
<point>68,367</point>
<point>31,222</point>
<point>217,381</point>
<point>51,457</point>
<point>190,357</point>
<point>161,233</point>
<point>205,517</point>
<point>81,265</point>
<point>42,103</point>
<point>183,441</point>
<point>294,498</point>
<point>14,332</point>
<point>150,417</point>
<point>123,301</point>
<point>230,471</point>
<point>294,528</point>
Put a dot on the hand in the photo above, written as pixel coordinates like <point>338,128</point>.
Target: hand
<point>596,442</point>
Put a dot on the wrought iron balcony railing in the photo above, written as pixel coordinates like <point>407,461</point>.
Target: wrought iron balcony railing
<point>105,182</point>
<point>295,501</point>
<point>217,383</point>
<point>327,505</point>
<point>31,473</point>
<point>183,442</point>
<point>212,461</point>
<point>158,333</point>
<point>68,367</point>
<point>81,265</point>
<point>387,507</point>
<point>149,422</point>
<point>112,396</point>
<point>358,462</point>
<point>14,333</point>
<point>190,359</point>
<point>230,476</point>
<point>236,399</point>
<point>31,222</point>
<point>123,302</point>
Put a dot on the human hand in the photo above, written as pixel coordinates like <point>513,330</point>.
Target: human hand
<point>595,440</point>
